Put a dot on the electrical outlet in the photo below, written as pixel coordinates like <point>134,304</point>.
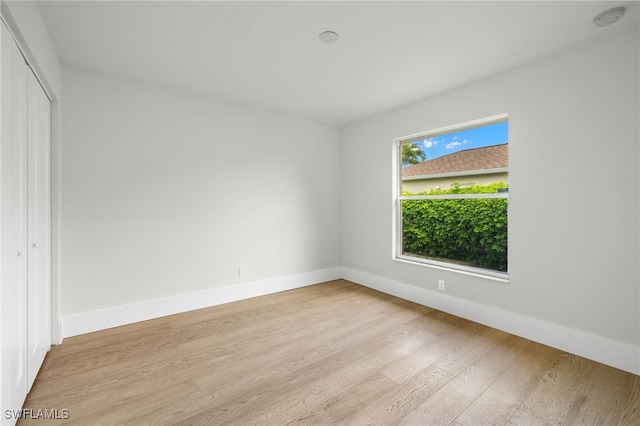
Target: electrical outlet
<point>441,285</point>
<point>242,271</point>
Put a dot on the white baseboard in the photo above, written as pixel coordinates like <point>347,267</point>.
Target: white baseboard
<point>87,322</point>
<point>607,351</point>
<point>601,349</point>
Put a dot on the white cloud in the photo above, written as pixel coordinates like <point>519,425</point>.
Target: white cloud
<point>456,142</point>
<point>428,143</point>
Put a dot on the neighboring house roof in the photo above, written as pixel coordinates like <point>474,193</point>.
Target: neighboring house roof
<point>490,157</point>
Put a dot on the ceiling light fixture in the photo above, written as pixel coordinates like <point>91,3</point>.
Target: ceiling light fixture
<point>328,37</point>
<point>609,17</point>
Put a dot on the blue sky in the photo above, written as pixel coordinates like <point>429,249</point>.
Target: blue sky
<point>493,134</point>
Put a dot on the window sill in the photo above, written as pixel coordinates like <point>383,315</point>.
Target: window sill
<point>502,277</point>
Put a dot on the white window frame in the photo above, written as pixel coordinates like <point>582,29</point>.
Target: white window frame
<point>398,198</point>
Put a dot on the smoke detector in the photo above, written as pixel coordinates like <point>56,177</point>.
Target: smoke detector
<point>609,17</point>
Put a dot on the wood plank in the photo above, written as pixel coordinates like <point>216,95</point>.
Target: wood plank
<point>501,400</point>
<point>630,412</point>
<point>399,402</point>
<point>560,397</point>
<point>342,407</point>
<point>522,418</point>
<point>457,395</point>
<point>432,351</point>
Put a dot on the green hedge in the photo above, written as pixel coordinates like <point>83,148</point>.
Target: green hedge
<point>470,231</point>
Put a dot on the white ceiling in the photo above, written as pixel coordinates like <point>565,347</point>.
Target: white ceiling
<point>267,54</point>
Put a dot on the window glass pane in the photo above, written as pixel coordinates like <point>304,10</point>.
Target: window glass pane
<point>471,232</point>
<point>466,158</point>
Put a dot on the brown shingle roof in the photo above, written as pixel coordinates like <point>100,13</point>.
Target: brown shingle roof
<point>490,157</point>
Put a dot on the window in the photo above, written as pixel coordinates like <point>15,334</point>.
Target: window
<point>452,197</point>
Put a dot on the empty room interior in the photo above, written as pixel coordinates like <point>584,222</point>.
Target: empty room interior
<point>320,212</point>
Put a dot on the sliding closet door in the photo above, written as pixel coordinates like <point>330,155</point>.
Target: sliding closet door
<point>39,265</point>
<point>13,224</point>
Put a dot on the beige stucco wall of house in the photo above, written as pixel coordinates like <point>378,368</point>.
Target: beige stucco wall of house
<point>420,185</point>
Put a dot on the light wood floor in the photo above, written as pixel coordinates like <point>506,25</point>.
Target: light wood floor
<point>333,353</point>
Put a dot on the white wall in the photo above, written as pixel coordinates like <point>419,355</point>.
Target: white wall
<point>574,192</point>
<point>168,193</point>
